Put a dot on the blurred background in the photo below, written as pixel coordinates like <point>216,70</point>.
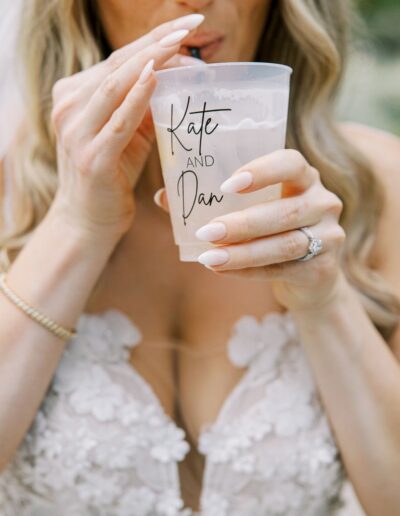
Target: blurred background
<point>371,90</point>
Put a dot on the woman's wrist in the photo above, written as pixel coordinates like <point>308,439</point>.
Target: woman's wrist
<point>85,235</point>
<point>65,265</point>
<point>340,292</point>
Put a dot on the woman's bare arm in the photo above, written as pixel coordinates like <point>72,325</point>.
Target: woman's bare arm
<point>55,272</point>
<point>96,116</point>
<point>358,374</point>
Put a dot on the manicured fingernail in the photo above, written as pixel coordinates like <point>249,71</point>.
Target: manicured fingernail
<point>190,22</point>
<point>237,182</point>
<point>174,38</point>
<point>157,197</point>
<point>146,72</point>
<point>213,257</point>
<point>213,231</point>
<point>191,61</point>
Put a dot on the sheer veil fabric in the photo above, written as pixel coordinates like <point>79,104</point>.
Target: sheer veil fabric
<point>11,91</point>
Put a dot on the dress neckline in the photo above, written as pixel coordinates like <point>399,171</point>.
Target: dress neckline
<point>270,318</point>
<point>267,321</point>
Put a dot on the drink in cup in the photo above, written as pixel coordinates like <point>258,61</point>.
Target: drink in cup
<point>209,121</point>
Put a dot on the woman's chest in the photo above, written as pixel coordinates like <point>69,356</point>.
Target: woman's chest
<point>269,437</point>
<point>210,306</point>
<point>187,317</point>
<point>186,314</point>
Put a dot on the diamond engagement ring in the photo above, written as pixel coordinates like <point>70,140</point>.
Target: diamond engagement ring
<point>314,246</point>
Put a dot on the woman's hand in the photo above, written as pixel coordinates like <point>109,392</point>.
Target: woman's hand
<point>104,131</point>
<point>263,241</point>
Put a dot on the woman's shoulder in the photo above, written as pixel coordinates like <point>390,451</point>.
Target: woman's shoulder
<point>382,150</point>
<point>380,147</point>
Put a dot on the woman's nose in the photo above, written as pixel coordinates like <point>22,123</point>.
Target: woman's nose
<point>194,4</point>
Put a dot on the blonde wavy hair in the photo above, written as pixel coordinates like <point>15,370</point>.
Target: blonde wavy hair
<point>61,37</point>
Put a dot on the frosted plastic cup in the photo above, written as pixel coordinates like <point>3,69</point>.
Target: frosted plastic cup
<point>209,121</point>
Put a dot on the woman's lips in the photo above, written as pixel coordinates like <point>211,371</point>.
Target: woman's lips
<point>208,43</point>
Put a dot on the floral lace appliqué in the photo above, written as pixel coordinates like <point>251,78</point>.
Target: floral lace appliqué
<point>271,436</point>
<point>101,444</point>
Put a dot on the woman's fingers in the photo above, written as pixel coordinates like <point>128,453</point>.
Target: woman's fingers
<point>94,105</point>
<point>160,198</point>
<point>271,217</point>
<point>189,22</point>
<point>88,80</point>
<point>276,249</point>
<point>286,166</point>
<point>111,141</point>
<point>115,86</point>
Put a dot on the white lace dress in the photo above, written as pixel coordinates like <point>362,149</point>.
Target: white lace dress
<point>101,444</point>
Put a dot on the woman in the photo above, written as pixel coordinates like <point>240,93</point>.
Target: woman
<point>188,387</point>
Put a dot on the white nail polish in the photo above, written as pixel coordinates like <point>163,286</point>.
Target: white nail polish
<point>211,232</point>
<point>190,22</point>
<point>237,182</point>
<point>146,72</point>
<point>157,197</point>
<point>174,38</point>
<point>213,257</point>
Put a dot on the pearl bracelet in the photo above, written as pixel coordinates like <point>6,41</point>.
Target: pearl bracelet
<point>49,324</point>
